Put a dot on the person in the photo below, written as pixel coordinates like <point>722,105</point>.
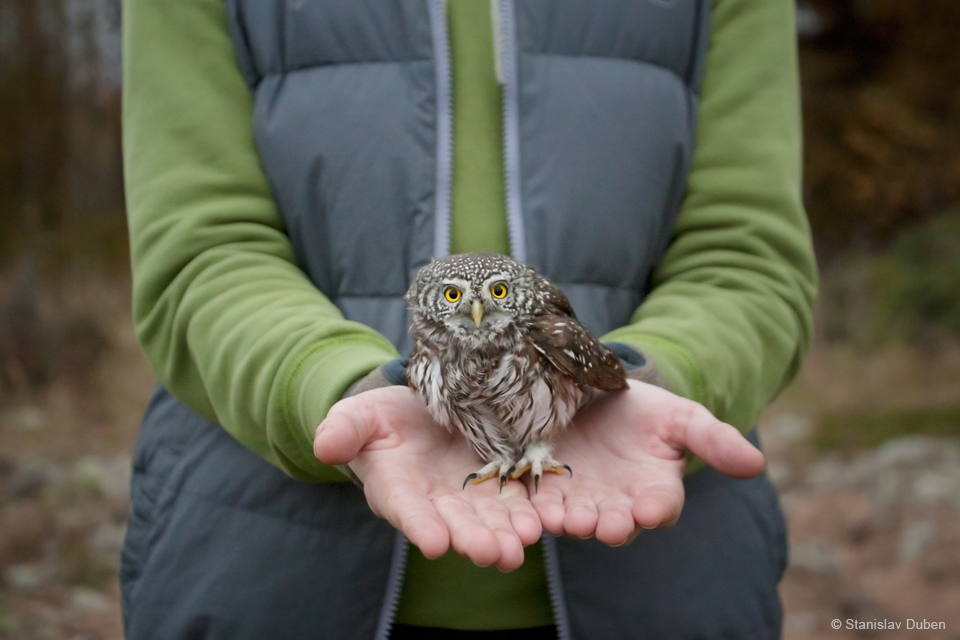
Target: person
<point>289,167</point>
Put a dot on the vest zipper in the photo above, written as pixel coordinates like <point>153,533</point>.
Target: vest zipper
<point>504,26</point>
<point>503,14</point>
<point>505,52</point>
<point>437,10</point>
<point>444,82</point>
<point>551,560</point>
<point>398,564</point>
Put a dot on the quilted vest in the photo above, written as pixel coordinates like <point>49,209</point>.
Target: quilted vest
<point>353,121</point>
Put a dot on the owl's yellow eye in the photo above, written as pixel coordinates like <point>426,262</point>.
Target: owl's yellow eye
<point>498,290</point>
<point>452,294</point>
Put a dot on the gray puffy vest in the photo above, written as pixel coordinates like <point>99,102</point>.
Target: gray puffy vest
<point>353,123</point>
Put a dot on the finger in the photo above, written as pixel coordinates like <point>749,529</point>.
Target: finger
<point>581,516</point>
<point>496,517</point>
<point>469,536</point>
<point>341,435</point>
<point>659,506</point>
<point>630,538</point>
<point>511,551</point>
<point>548,503</point>
<point>408,509</point>
<point>615,522</point>
<point>721,445</point>
<point>524,519</point>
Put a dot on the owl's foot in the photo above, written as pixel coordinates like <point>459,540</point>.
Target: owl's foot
<point>538,460</point>
<point>497,468</point>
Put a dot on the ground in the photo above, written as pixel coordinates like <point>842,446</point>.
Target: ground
<point>874,530</point>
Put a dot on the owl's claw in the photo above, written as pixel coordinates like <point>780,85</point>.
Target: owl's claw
<point>552,469</point>
<point>520,468</point>
<point>496,469</point>
<point>538,459</point>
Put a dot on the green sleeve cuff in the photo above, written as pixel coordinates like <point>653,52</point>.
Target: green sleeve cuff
<point>672,360</point>
<point>313,383</point>
<point>675,364</point>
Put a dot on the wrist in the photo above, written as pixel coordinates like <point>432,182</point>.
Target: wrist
<point>641,364</point>
<point>638,365</point>
<point>313,383</point>
<point>386,375</point>
<point>669,364</point>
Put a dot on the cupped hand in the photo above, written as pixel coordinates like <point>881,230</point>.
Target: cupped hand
<point>628,451</point>
<point>412,472</point>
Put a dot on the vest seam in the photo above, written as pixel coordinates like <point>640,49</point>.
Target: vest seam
<point>213,500</point>
<point>699,45</point>
<point>316,65</point>
<point>645,63</point>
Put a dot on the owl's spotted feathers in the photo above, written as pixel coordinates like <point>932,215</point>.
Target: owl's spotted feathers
<point>500,357</point>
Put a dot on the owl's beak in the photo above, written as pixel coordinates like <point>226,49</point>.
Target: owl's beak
<point>477,311</point>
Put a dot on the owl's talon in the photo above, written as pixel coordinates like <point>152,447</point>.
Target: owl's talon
<point>536,459</point>
<point>557,468</point>
<point>496,469</point>
<point>519,469</point>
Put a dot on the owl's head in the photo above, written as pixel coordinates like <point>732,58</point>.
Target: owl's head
<point>474,297</point>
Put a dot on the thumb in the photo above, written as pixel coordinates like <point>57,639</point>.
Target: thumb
<point>341,435</point>
<point>722,446</point>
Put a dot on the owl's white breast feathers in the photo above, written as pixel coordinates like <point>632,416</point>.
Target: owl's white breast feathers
<point>499,409</point>
<point>427,379</point>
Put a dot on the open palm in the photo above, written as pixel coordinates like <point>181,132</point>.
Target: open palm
<point>628,453</point>
<point>412,470</point>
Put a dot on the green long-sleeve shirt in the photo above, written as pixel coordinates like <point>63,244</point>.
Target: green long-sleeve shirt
<point>235,329</point>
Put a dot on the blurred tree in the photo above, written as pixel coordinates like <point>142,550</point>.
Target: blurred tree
<point>32,135</point>
<point>881,117</point>
<point>60,168</point>
<point>881,91</point>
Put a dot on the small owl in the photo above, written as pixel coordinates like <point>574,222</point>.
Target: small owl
<point>500,358</point>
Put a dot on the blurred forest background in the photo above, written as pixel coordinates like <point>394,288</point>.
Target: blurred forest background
<point>863,446</point>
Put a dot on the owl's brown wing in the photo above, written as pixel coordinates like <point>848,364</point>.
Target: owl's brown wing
<point>552,299</point>
<point>569,347</point>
